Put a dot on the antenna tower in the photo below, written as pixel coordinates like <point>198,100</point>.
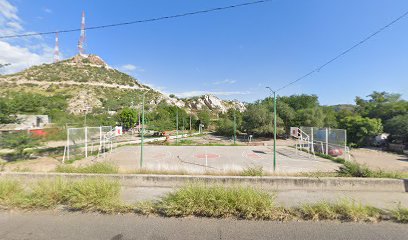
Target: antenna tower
<point>56,49</point>
<point>81,41</point>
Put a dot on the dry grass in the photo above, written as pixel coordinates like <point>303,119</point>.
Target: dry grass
<point>99,167</point>
<point>102,195</point>
<point>344,210</point>
<point>93,194</point>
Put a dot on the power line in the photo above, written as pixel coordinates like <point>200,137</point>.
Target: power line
<point>346,51</point>
<point>140,21</point>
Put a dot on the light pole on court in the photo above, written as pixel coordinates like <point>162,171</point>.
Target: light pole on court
<point>143,129</point>
<point>177,126</point>
<point>274,127</point>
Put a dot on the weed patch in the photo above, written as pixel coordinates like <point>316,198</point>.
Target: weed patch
<point>400,214</point>
<point>353,169</point>
<point>217,201</point>
<point>10,192</point>
<point>94,194</point>
<point>344,210</point>
<point>100,167</point>
<point>256,171</point>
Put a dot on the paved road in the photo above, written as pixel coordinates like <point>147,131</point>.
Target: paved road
<point>123,227</point>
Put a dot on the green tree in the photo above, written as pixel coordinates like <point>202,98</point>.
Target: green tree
<point>258,119</point>
<point>127,117</point>
<point>382,105</point>
<point>204,117</point>
<point>6,115</point>
<point>330,117</point>
<point>299,102</point>
<point>19,142</point>
<point>225,123</point>
<point>310,117</point>
<point>398,128</point>
<point>361,129</point>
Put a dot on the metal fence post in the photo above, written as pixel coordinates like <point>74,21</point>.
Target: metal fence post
<point>100,141</point>
<point>68,144</point>
<point>327,141</point>
<point>311,139</point>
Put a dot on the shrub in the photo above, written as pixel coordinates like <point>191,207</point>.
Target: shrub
<point>217,201</point>
<point>400,214</point>
<point>353,169</point>
<point>95,195</point>
<point>19,141</point>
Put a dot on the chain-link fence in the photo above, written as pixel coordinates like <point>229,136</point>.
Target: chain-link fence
<point>88,141</point>
<point>328,141</point>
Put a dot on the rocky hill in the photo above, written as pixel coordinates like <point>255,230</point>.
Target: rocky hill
<point>89,83</point>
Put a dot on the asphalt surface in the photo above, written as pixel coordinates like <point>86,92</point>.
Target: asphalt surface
<point>53,225</point>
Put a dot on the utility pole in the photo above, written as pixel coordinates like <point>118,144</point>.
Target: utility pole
<point>274,127</point>
<point>235,128</point>
<point>190,122</point>
<point>143,129</point>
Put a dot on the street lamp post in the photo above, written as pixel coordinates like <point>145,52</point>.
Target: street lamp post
<point>274,127</point>
<point>177,126</point>
<point>143,129</point>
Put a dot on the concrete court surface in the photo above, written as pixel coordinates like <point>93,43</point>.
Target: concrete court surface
<point>201,159</point>
<point>58,226</point>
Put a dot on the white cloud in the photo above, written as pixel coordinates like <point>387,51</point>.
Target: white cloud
<point>217,93</point>
<point>130,68</point>
<point>21,57</point>
<point>226,81</point>
<point>8,11</point>
<point>19,52</point>
<point>47,10</point>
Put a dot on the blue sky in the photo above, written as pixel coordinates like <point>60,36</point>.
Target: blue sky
<point>233,53</point>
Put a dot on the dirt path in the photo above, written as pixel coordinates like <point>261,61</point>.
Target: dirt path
<point>42,164</point>
<point>376,159</point>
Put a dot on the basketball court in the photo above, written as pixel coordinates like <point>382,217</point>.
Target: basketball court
<point>201,159</point>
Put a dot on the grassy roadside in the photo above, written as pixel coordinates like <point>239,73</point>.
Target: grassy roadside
<point>96,194</point>
<point>101,195</point>
<point>348,169</point>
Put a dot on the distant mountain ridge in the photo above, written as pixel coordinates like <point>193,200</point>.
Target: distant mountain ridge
<point>88,83</point>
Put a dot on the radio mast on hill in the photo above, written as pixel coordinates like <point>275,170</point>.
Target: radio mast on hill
<point>56,49</point>
<point>81,41</point>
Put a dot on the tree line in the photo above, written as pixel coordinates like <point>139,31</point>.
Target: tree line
<point>379,112</point>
